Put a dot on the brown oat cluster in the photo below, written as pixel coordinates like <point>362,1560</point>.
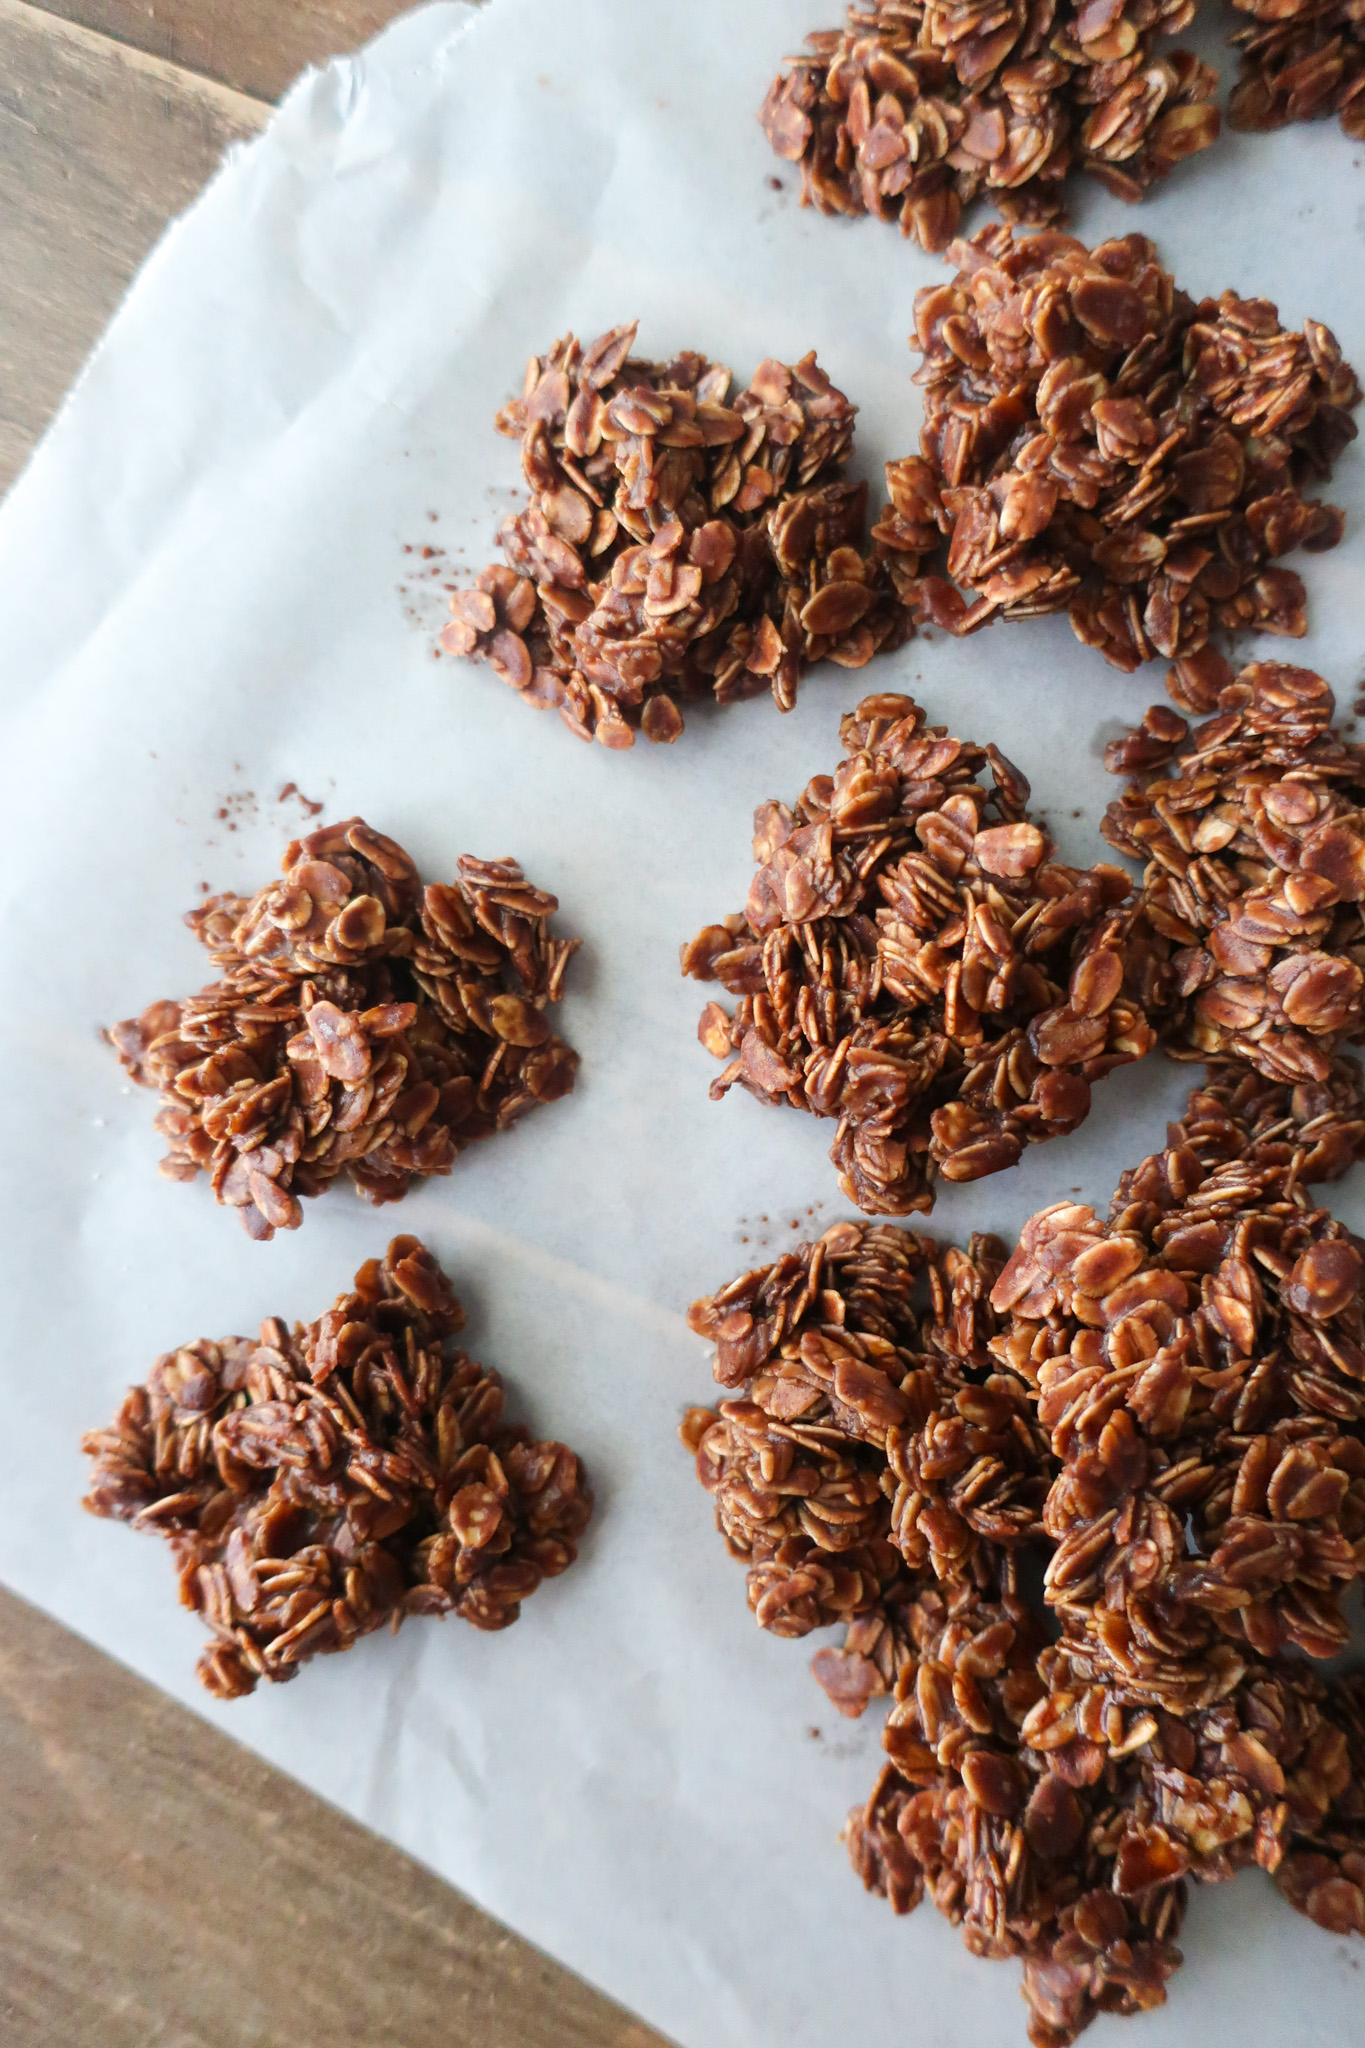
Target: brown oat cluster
<point>913,962</point>
<point>364,1024</point>
<point>1300,59</point>
<point>1252,833</point>
<point>862,1403</point>
<point>339,1475</point>
<point>1097,443</point>
<point>683,540</point>
<point>871,1449</point>
<point>1160,1420</point>
<point>1197,1361</point>
<point>915,108</point>
<point>1081,1870</point>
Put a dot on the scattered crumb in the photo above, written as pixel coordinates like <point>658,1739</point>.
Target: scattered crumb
<point>292,789</point>
<point>237,804</point>
<point>426,584</point>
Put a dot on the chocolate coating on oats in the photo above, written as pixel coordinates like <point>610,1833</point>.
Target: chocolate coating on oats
<point>1097,443</point>
<point>1076,1858</point>
<point>339,1475</point>
<point>913,962</point>
<point>365,1026</point>
<point>683,540</point>
<point>1301,59</point>
<point>867,1353</point>
<point>1026,1861</point>
<point>1252,833</point>
<point>1157,1419</point>
<point>845,1355</point>
<point>916,108</point>
<point>1324,1874</point>
<point>1197,1362</point>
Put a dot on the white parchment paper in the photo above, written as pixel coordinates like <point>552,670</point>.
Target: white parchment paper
<point>211,585</point>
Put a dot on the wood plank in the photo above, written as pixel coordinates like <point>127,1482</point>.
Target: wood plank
<point>256,46</point>
<point>158,1885</point>
<point>99,146</point>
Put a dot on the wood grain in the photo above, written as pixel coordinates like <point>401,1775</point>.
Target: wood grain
<point>99,146</point>
<point>256,46</point>
<point>160,1888</point>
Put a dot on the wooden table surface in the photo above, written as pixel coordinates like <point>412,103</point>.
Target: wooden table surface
<point>159,1887</point>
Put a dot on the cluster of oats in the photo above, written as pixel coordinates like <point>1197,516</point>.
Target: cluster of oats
<point>866,1439</point>
<point>1300,59</point>
<point>1197,1361</point>
<point>1161,1419</point>
<point>682,540</point>
<point>339,1475</point>
<point>1252,835</point>
<point>1097,443</point>
<point>363,1025</point>
<point>914,963</point>
<point>915,108</point>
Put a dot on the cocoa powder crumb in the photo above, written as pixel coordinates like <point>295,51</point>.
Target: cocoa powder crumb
<point>291,789</point>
